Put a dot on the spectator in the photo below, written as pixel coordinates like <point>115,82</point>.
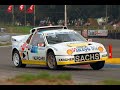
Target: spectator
<point>114,26</point>
<point>28,24</point>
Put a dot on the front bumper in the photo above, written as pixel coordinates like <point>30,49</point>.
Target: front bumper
<point>69,60</point>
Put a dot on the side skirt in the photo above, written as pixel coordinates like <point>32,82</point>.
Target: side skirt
<point>42,62</point>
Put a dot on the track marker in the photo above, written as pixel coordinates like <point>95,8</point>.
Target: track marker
<point>110,51</point>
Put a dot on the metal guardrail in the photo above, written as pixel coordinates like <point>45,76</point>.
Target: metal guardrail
<point>5,38</point>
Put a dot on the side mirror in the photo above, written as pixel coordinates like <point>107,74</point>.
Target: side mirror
<point>41,44</point>
<point>89,40</point>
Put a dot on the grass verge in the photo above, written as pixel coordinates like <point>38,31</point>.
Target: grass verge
<point>18,29</point>
<point>111,82</point>
<point>43,78</point>
<point>103,82</point>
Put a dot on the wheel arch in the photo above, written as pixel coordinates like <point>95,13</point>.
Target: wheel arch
<point>53,67</point>
<point>14,51</point>
<point>49,50</point>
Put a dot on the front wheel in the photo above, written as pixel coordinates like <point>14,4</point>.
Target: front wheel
<point>51,61</point>
<point>97,65</point>
<point>17,60</point>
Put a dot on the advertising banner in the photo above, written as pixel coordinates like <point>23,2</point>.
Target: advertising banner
<point>97,32</point>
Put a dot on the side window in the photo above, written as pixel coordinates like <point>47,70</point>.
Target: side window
<point>41,40</point>
<point>37,38</point>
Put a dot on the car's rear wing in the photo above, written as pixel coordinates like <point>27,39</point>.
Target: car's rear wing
<point>48,28</point>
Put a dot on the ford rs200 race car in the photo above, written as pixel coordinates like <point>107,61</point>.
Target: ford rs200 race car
<point>55,47</point>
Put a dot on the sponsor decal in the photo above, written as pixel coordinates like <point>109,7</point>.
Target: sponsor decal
<point>54,33</point>
<point>87,57</point>
<point>38,58</point>
<point>77,45</point>
<point>24,46</point>
<point>23,52</point>
<point>34,49</point>
<point>66,59</point>
<point>84,48</point>
<point>24,55</point>
<point>69,52</point>
<point>93,48</point>
<point>100,49</point>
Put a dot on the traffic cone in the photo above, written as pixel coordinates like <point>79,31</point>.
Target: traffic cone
<point>110,51</point>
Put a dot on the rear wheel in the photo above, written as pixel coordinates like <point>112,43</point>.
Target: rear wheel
<point>17,60</point>
<point>97,65</point>
<point>51,61</point>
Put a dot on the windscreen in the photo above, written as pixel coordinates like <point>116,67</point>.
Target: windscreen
<point>60,37</point>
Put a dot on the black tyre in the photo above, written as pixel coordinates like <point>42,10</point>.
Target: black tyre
<point>97,65</point>
<point>51,61</point>
<point>17,60</point>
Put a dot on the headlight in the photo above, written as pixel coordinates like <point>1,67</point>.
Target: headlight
<point>100,49</point>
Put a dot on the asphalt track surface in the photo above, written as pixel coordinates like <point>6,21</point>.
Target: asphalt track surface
<point>115,45</point>
<point>80,74</point>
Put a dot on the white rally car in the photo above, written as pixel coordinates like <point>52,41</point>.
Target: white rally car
<point>56,46</point>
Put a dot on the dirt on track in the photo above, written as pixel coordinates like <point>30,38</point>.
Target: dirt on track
<point>38,82</point>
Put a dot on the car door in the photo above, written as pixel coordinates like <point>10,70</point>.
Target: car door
<point>37,50</point>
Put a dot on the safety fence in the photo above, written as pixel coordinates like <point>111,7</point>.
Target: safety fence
<point>114,34</point>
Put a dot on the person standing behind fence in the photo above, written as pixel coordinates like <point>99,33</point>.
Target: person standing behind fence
<point>85,33</point>
<point>114,26</point>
